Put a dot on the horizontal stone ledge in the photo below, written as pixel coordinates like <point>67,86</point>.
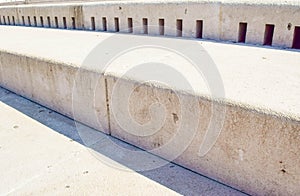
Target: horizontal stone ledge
<point>248,137</point>
<point>40,3</point>
<point>251,22</point>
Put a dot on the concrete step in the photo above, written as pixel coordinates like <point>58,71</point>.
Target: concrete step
<point>244,21</point>
<point>227,111</point>
<point>42,154</point>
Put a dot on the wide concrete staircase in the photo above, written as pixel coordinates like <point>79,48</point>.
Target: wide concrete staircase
<point>212,86</point>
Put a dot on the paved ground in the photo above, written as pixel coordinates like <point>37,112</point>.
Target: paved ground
<point>41,153</point>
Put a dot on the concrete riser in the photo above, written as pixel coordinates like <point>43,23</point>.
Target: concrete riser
<point>276,25</point>
<point>51,84</point>
<point>255,152</point>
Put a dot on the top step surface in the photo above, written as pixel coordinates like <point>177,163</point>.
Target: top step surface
<point>254,77</point>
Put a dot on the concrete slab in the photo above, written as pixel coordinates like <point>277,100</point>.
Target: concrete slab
<point>253,137</point>
<point>42,76</point>
<point>242,68</point>
<point>220,20</point>
<point>40,153</point>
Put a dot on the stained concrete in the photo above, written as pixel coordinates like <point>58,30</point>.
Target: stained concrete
<point>242,68</point>
<point>42,153</point>
<point>257,149</point>
<point>220,18</point>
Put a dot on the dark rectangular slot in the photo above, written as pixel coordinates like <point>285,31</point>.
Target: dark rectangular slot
<point>179,27</point>
<point>56,22</point>
<point>104,24</point>
<point>42,21</point>
<point>23,20</point>
<point>8,20</point>
<point>269,32</point>
<point>161,26</point>
<point>117,25</point>
<point>0,20</point>
<point>73,23</point>
<point>199,29</point>
<point>65,22</point>
<point>4,21</point>
<point>93,23</point>
<point>145,25</point>
<point>35,22</point>
<point>296,40</point>
<point>49,21</point>
<point>130,25</point>
<point>13,20</point>
<point>29,22</point>
<point>242,32</point>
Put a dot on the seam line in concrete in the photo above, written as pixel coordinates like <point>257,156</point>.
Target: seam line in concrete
<point>107,106</point>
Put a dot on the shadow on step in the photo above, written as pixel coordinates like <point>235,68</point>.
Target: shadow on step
<point>174,177</point>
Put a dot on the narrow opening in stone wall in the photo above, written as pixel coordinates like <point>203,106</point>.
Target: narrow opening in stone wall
<point>117,28</point>
<point>35,21</point>
<point>145,25</point>
<point>8,20</point>
<point>23,20</point>
<point>93,25</point>
<point>42,21</point>
<point>104,24</point>
<point>13,20</point>
<point>269,32</point>
<point>199,29</point>
<point>56,22</point>
<point>179,27</point>
<point>242,32</point>
<point>73,23</point>
<point>4,21</point>
<point>65,22</point>
<point>130,25</point>
<point>296,40</point>
<point>49,21</point>
<point>161,24</point>
<point>29,21</point>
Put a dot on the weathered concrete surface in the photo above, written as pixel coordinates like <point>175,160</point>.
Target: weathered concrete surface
<point>38,78</point>
<point>258,153</point>
<point>258,148</point>
<point>243,69</point>
<point>41,153</point>
<point>220,18</point>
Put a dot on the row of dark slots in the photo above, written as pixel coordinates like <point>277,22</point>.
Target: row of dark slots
<point>268,36</point>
